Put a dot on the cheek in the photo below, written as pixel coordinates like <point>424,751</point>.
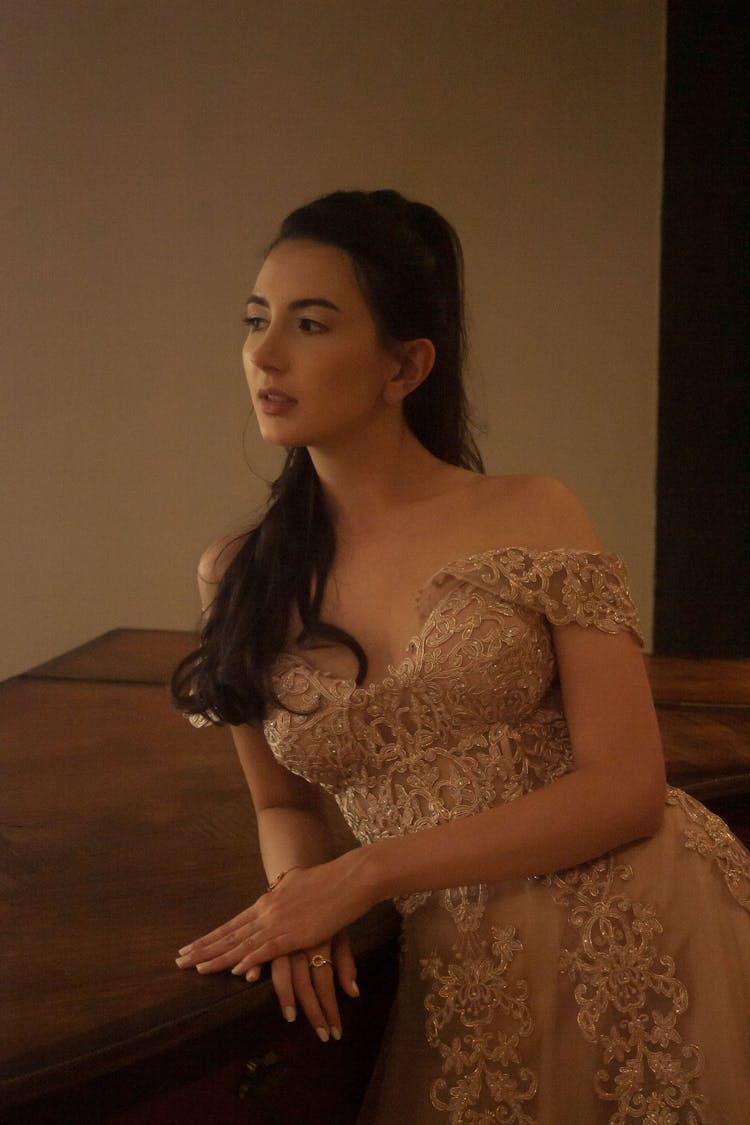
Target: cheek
<point>253,377</point>
<point>363,374</point>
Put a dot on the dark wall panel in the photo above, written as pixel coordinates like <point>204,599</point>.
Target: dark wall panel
<point>703,561</point>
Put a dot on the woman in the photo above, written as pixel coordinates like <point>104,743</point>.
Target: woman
<point>572,941</point>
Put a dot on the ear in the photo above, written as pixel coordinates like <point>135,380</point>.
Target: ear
<point>415,360</point>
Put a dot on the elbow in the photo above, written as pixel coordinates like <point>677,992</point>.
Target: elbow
<point>652,816</point>
<point>648,803</point>
<point>634,806</point>
<point>637,815</point>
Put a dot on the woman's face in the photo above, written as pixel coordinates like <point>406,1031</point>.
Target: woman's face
<point>314,361</point>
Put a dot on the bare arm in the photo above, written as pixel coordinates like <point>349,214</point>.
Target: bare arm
<point>615,793</point>
<point>291,829</point>
<point>293,833</point>
<point>291,826</point>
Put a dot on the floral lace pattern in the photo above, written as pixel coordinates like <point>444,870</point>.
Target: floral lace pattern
<point>581,587</point>
<point>707,834</point>
<point>629,998</point>
<point>477,1014</point>
<point>471,718</point>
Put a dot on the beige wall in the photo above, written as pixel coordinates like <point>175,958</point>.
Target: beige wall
<point>153,147</point>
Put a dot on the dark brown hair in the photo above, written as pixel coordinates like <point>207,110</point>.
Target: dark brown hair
<point>408,260</point>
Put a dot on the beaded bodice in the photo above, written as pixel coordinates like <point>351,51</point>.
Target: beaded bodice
<point>471,716</point>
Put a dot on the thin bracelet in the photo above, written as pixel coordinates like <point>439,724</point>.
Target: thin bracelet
<point>275,882</point>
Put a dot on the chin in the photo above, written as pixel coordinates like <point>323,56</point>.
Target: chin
<point>274,434</point>
<point>276,439</point>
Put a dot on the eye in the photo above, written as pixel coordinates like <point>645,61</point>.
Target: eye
<point>254,323</point>
<point>311,327</point>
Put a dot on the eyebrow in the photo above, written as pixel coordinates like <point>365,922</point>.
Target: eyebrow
<point>300,303</point>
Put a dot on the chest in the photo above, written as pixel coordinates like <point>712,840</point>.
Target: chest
<point>475,663</point>
<point>382,593</point>
<point>379,605</point>
<point>459,635</point>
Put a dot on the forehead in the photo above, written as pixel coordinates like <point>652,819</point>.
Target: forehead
<point>299,268</point>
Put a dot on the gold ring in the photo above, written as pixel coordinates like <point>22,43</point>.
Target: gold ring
<point>318,961</point>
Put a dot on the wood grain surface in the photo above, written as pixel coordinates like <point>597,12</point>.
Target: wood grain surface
<point>132,655</point>
<point>124,832</point>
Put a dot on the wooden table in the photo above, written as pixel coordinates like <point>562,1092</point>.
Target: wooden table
<point>704,715</point>
<point>124,832</point>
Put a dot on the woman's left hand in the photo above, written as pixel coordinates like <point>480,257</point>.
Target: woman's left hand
<point>306,908</point>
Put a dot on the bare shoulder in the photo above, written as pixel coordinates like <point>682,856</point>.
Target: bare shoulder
<point>214,562</point>
<point>542,512</point>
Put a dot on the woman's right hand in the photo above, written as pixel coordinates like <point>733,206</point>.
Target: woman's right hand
<point>297,981</point>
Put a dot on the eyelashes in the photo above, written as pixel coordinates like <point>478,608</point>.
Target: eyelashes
<point>306,325</point>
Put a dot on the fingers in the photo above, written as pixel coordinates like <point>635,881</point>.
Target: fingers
<point>228,952</point>
<point>344,964</point>
<point>281,975</point>
<point>259,934</point>
<point>215,961</point>
<point>229,937</point>
<point>223,931</point>
<point>316,992</point>
<point>297,982</point>
<point>302,978</point>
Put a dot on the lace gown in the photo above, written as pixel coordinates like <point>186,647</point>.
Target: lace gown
<point>617,991</point>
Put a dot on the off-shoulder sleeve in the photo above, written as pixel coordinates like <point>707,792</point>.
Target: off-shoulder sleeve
<point>569,587</point>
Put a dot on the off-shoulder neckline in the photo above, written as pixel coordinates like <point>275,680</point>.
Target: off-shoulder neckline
<point>530,552</point>
<point>451,568</point>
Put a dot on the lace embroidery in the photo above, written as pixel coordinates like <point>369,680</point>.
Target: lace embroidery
<point>581,587</point>
<point>470,718</point>
<point>460,725</point>
<point>466,905</point>
<point>477,1014</point>
<point>708,835</point>
<point>629,998</point>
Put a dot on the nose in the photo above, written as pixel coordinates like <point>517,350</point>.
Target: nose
<point>266,351</point>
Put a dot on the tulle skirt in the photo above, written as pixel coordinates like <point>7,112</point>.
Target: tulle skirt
<point>618,991</point>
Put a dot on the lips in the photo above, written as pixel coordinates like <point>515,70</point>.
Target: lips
<point>274,402</point>
<point>268,395</point>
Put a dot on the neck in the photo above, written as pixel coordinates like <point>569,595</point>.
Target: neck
<point>365,482</point>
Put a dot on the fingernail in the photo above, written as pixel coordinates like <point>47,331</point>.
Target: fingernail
<point>252,974</point>
<point>202,966</point>
<point>237,971</point>
<point>181,961</point>
<point>290,1014</point>
<point>354,988</point>
<point>336,1033</point>
<point>322,1034</point>
<point>185,949</point>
